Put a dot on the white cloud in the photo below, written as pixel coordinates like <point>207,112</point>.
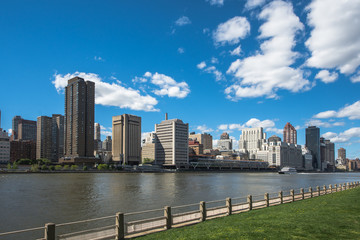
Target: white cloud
<point>262,75</point>
<point>204,128</point>
<point>99,59</point>
<point>267,124</point>
<point>335,39</point>
<point>214,60</point>
<point>201,65</point>
<point>342,137</point>
<point>183,21</point>
<point>223,127</point>
<point>10,131</point>
<point>139,80</point>
<point>326,76</point>
<point>232,31</point>
<point>212,69</point>
<point>236,51</point>
<point>110,94</point>
<point>254,122</point>
<point>351,111</point>
<point>216,2</point>
<point>235,142</point>
<point>319,123</point>
<point>181,50</point>
<point>168,86</point>
<point>250,4</point>
<point>356,77</point>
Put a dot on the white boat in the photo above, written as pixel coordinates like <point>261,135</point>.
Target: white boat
<point>287,170</point>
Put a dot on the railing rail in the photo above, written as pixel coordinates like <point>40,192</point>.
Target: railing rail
<point>166,220</point>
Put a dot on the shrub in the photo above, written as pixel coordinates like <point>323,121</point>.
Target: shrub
<point>8,166</point>
<point>85,168</point>
<point>58,167</point>
<point>25,161</point>
<point>74,167</point>
<point>102,167</point>
<point>52,167</point>
<point>147,160</point>
<point>44,167</point>
<point>35,168</point>
<point>66,167</point>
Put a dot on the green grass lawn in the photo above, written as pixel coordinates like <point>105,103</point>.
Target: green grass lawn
<point>333,216</point>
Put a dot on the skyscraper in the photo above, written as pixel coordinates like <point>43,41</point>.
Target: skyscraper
<point>57,145</point>
<point>79,120</point>
<point>97,131</point>
<point>44,137</point>
<point>15,124</point>
<point>290,134</point>
<point>126,142</point>
<point>172,142</point>
<point>313,144</point>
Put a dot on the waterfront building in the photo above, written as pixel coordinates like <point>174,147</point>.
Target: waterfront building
<point>313,144</point>
<point>4,146</point>
<point>327,154</point>
<point>251,140</point>
<point>97,131</point>
<point>280,154</point>
<point>148,148</point>
<point>342,155</point>
<point>79,121</point>
<point>307,158</point>
<point>27,130</point>
<point>172,142</point>
<point>224,143</point>
<point>196,147</point>
<point>107,144</point>
<point>203,138</point>
<point>126,144</point>
<point>290,134</point>
<point>50,137</point>
<point>22,149</point>
<point>44,137</point>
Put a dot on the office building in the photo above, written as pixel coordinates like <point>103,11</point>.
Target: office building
<point>79,121</point>
<point>172,142</point>
<point>327,155</point>
<point>203,138</point>
<point>126,142</point>
<point>290,134</point>
<point>342,155</point>
<point>22,149</point>
<point>196,147</point>
<point>107,144</point>
<point>224,143</point>
<point>313,144</point>
<point>251,140</point>
<point>148,148</point>
<point>15,124</point>
<point>27,130</point>
<point>4,145</point>
<point>97,131</point>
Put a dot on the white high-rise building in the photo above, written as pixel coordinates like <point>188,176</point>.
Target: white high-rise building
<point>4,146</point>
<point>251,140</point>
<point>172,142</point>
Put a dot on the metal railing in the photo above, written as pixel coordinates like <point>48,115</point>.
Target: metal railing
<point>185,214</point>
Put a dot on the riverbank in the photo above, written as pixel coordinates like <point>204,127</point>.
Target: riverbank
<point>333,216</point>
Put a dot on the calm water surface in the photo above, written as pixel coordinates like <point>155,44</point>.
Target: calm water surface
<point>31,200</point>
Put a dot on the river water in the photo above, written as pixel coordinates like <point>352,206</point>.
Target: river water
<point>31,200</point>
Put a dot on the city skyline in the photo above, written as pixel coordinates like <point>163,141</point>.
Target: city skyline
<point>198,68</point>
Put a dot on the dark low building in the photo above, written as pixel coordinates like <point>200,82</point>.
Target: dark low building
<point>22,149</point>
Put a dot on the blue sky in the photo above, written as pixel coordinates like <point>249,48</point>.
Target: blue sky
<point>219,65</point>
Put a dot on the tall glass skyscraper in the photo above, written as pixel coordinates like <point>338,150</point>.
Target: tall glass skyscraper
<point>313,144</point>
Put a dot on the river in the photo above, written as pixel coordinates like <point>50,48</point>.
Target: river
<point>31,200</point>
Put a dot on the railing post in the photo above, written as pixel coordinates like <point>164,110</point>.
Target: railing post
<point>292,193</point>
<point>120,230</point>
<point>311,191</point>
<point>168,217</point>
<point>249,200</point>
<point>324,188</point>
<point>281,197</point>
<point>229,206</point>
<point>335,187</point>
<point>330,187</point>
<point>50,231</point>
<point>202,211</point>
<point>347,186</point>
<point>318,190</point>
<point>344,186</point>
<point>302,193</point>
<point>266,197</point>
